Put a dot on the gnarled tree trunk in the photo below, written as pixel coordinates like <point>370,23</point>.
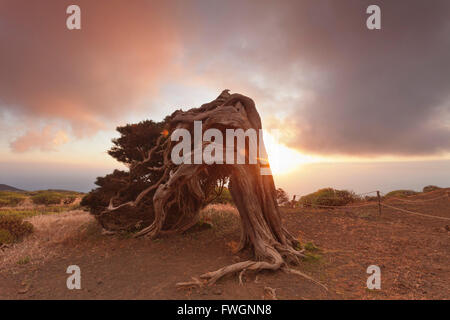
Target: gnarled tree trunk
<point>183,190</point>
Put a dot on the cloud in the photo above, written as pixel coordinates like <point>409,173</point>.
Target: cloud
<point>46,139</point>
<point>385,92</point>
<point>86,77</point>
<point>332,85</point>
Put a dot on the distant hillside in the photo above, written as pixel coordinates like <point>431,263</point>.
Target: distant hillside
<point>5,187</point>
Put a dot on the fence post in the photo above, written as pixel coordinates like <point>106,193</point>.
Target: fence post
<point>379,203</point>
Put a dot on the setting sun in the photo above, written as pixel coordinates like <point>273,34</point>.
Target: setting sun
<point>281,158</point>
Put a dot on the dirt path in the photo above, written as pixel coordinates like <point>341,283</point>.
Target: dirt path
<point>143,269</point>
<point>412,252</point>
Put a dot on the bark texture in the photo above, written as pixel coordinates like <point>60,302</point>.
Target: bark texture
<point>173,202</point>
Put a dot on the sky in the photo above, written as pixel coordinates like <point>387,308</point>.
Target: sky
<point>344,106</point>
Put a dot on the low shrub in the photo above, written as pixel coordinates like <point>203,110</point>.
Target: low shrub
<point>224,197</point>
<point>47,198</point>
<point>15,226</point>
<point>52,197</point>
<point>329,197</point>
<point>37,211</point>
<point>11,199</point>
<point>6,237</point>
<point>430,188</point>
<point>401,193</point>
<point>69,199</point>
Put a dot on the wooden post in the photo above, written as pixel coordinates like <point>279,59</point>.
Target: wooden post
<point>379,203</point>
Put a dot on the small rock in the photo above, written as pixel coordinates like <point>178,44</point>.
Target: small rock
<point>23,290</point>
<point>99,282</point>
<point>217,291</point>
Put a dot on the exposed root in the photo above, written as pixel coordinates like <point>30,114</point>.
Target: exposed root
<point>196,282</point>
<point>241,267</point>
<point>240,277</point>
<point>107,232</point>
<point>151,232</point>
<point>299,273</point>
<point>211,277</point>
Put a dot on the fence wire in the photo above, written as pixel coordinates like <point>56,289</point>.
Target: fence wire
<point>381,203</point>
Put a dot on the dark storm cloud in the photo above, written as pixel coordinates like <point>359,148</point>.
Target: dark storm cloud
<point>359,91</point>
<point>343,88</point>
<point>386,91</point>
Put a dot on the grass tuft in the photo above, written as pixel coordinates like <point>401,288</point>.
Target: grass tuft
<point>222,218</point>
<point>24,260</point>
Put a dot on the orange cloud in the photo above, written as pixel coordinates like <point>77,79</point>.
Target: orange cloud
<point>85,77</point>
<point>342,88</point>
<point>46,139</point>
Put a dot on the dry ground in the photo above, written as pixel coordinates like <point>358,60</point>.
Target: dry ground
<point>412,252</point>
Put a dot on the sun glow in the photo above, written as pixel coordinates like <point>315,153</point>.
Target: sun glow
<point>282,159</point>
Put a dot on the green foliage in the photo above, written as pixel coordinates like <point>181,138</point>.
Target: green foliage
<point>47,198</point>
<point>329,197</point>
<point>98,199</point>
<point>52,197</point>
<point>430,188</point>
<point>311,252</point>
<point>43,197</point>
<point>15,226</point>
<point>27,213</point>
<point>312,257</point>
<point>135,139</point>
<point>133,145</point>
<point>6,237</point>
<point>63,193</point>
<point>309,246</point>
<point>401,193</point>
<point>11,198</point>
<point>224,196</point>
<point>24,260</point>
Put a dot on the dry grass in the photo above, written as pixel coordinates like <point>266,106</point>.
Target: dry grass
<point>51,233</point>
<point>27,208</point>
<point>225,208</point>
<point>222,217</point>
